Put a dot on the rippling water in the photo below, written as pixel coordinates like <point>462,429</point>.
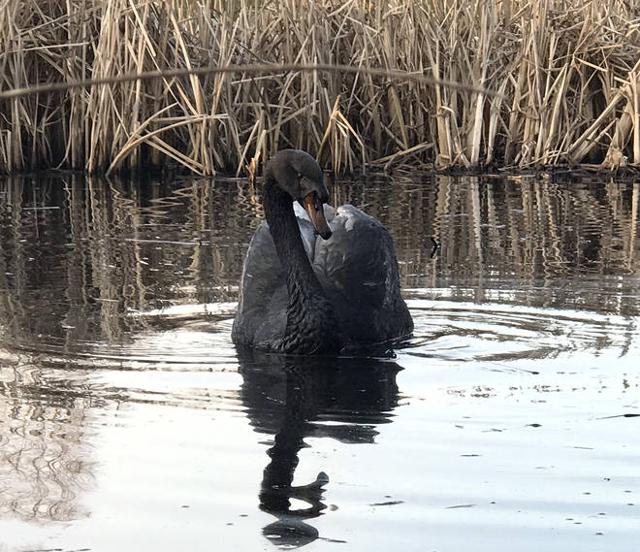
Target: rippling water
<point>510,422</point>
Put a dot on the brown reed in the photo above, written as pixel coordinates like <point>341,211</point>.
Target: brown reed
<point>540,83</point>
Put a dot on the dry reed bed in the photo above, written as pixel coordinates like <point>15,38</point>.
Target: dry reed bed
<point>567,72</point>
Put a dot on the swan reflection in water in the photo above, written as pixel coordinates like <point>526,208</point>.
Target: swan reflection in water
<point>293,398</point>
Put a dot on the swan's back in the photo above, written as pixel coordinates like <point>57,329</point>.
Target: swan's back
<point>356,267</point>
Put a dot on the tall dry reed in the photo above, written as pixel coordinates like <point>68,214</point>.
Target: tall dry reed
<point>567,73</point>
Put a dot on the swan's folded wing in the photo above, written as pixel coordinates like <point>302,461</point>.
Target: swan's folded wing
<point>262,272</point>
<point>261,315</point>
<point>358,270</point>
<point>358,262</point>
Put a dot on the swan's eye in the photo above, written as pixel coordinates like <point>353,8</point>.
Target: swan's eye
<point>299,176</point>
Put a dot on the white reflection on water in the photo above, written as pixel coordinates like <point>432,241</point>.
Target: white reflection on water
<point>527,450</point>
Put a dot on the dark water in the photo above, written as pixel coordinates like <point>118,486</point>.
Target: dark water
<point>128,422</point>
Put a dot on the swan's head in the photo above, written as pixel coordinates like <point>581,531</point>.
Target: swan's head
<point>299,174</point>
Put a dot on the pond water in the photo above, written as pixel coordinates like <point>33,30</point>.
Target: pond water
<point>129,422</point>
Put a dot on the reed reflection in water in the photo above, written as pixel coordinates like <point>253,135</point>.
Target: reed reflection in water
<point>116,301</point>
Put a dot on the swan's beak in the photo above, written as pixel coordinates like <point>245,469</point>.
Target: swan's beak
<point>315,210</point>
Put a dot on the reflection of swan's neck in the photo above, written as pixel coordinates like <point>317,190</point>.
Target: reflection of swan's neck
<point>310,320</point>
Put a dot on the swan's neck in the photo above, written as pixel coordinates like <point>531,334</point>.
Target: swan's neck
<point>311,325</point>
<point>283,226</point>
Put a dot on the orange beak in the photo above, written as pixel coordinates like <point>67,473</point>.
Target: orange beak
<point>313,207</point>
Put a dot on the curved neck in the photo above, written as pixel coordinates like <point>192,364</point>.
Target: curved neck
<point>283,226</point>
<point>310,320</point>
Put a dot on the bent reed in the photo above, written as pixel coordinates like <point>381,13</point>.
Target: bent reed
<point>562,81</point>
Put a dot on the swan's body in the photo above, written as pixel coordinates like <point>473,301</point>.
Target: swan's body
<point>306,295</point>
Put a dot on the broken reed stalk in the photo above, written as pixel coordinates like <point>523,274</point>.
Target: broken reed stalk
<point>216,85</point>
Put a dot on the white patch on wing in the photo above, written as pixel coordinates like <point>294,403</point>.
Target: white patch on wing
<point>351,214</point>
<point>299,211</point>
<point>308,236</point>
<point>307,232</point>
<point>349,224</point>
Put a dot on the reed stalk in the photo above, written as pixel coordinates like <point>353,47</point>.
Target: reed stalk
<point>540,83</point>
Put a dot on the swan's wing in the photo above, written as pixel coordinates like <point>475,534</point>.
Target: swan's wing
<point>357,267</point>
<point>261,315</point>
<point>359,259</point>
<point>262,272</point>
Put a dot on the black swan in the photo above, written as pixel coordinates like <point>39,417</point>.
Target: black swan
<point>302,295</point>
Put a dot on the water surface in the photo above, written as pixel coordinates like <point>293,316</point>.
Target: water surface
<point>129,422</point>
